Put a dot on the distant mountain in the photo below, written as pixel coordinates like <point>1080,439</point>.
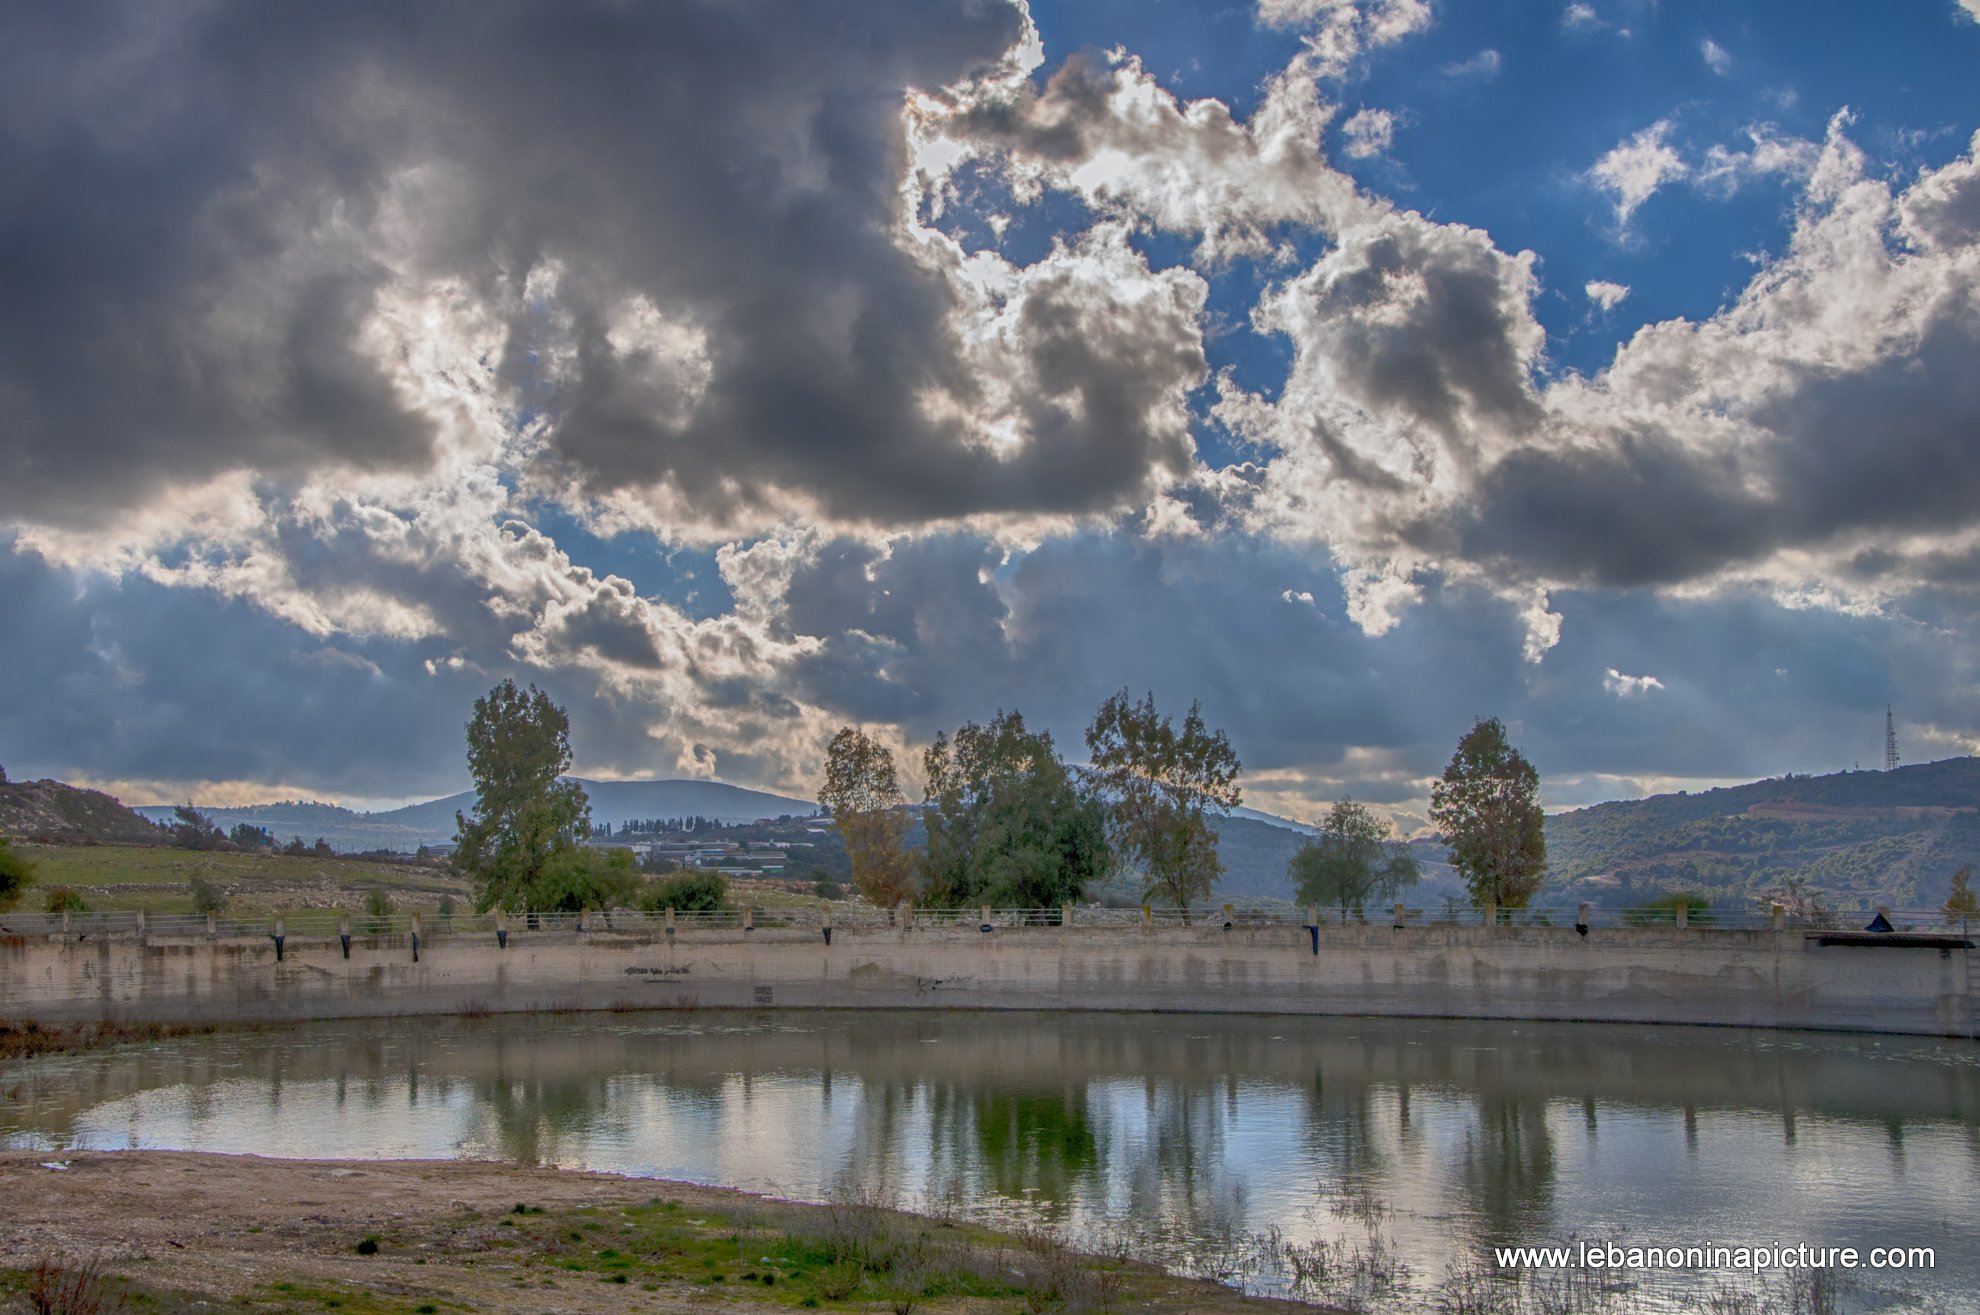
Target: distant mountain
<point>432,823</point>
<point>1865,838</point>
<point>613,802</point>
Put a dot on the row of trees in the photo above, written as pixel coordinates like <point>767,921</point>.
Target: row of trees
<point>1010,823</point>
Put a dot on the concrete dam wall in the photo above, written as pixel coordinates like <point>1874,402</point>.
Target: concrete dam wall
<point>1776,978</point>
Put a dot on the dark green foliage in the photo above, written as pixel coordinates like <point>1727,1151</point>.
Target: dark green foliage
<point>863,794</point>
<point>195,830</point>
<point>16,875</point>
<point>521,846</point>
<point>1008,823</point>
<point>580,878</point>
<point>1351,861</point>
<point>62,899</point>
<point>1161,786</point>
<point>248,836</point>
<point>688,891</point>
<point>206,897</point>
<point>1488,807</point>
<point>377,903</point>
<point>1662,911</point>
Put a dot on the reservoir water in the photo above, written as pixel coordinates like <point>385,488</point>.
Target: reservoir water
<point>1372,1161</point>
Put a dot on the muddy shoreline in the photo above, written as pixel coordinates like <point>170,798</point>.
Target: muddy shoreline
<point>184,1231</point>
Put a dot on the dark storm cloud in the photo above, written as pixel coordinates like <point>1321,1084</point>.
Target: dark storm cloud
<point>204,205</point>
<point>1883,449</point>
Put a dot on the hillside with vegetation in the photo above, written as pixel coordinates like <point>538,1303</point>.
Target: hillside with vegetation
<point>63,814</point>
<point>1861,838</point>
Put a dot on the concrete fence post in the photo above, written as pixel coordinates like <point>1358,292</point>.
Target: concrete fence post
<point>1402,917</point>
<point>1065,917</point>
<point>212,929</point>
<point>1780,917</point>
<point>907,914</point>
<point>1581,918</point>
<point>1491,915</point>
<point>415,937</point>
<point>65,922</point>
<point>1684,916</point>
<point>749,918</point>
<point>1147,917</point>
<point>828,924</point>
<point>140,924</point>
<point>1230,918</point>
<point>344,932</point>
<point>984,914</point>
<point>670,920</point>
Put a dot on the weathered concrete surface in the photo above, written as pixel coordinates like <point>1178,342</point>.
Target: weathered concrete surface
<point>1728,978</point>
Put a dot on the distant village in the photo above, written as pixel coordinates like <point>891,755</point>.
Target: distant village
<point>766,847</point>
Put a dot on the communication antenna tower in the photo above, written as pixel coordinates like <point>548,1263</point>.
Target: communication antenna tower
<point>1890,741</point>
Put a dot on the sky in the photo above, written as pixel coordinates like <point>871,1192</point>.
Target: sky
<point>738,371</point>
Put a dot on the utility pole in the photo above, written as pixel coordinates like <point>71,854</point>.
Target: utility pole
<point>1890,741</point>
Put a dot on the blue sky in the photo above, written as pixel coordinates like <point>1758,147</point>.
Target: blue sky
<point>1357,367</point>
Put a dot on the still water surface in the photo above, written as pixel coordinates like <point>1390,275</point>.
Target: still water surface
<point>1420,1144</point>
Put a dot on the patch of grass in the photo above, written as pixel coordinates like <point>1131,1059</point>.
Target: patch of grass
<point>27,1039</point>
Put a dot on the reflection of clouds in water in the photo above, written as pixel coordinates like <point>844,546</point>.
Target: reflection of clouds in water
<point>1448,1135</point>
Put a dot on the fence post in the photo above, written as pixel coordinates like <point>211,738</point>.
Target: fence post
<point>415,937</point>
<point>1491,915</point>
<point>344,932</point>
<point>749,919</point>
<point>1684,916</point>
<point>1402,917</point>
<point>211,929</point>
<point>670,922</point>
<point>907,914</point>
<point>1065,917</point>
<point>281,935</point>
<point>1780,917</point>
<point>1147,917</point>
<point>65,922</point>
<point>984,925</point>
<point>828,924</point>
<point>1581,917</point>
<point>140,926</point>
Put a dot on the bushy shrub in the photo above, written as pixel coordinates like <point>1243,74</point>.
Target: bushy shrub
<point>16,875</point>
<point>62,899</point>
<point>206,897</point>
<point>688,891</point>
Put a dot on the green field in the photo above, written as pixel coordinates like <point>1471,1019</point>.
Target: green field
<point>159,880</point>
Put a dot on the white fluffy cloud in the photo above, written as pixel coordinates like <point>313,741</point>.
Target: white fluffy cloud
<point>1606,294</point>
<point>1716,57</point>
<point>1368,133</point>
<point>1635,169</point>
<point>1629,687</point>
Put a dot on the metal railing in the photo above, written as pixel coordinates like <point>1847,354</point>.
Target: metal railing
<point>432,927</point>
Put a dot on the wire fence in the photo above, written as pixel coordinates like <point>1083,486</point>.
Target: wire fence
<point>328,923</point>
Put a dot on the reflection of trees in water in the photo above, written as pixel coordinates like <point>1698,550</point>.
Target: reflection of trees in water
<point>1509,1171</point>
<point>1039,1142</point>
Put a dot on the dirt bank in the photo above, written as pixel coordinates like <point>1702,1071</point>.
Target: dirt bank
<point>176,1231</point>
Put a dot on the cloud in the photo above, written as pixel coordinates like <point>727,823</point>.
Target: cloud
<point>1605,294</point>
<point>1769,152</point>
<point>1581,17</point>
<point>1484,65</point>
<point>1629,687</point>
<point>1716,57</point>
<point>1635,169</point>
<point>1339,32</point>
<point>1970,9</point>
<point>1368,133</point>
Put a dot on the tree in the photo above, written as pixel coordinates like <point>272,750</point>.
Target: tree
<point>865,800</point>
<point>527,818</point>
<point>1351,860</point>
<point>1008,822</point>
<point>1487,805</point>
<point>248,836</point>
<point>1160,786</point>
<point>16,875</point>
<point>195,830</point>
<point>1961,904</point>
